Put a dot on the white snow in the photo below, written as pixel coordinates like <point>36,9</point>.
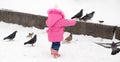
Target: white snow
<point>81,49</point>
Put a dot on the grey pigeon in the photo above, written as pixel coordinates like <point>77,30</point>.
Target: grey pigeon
<point>88,16</point>
<point>113,46</point>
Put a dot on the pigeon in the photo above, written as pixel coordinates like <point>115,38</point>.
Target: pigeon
<point>113,46</point>
<point>11,36</point>
<point>31,41</point>
<point>30,35</point>
<point>78,15</point>
<point>68,39</point>
<point>87,16</point>
<point>101,21</point>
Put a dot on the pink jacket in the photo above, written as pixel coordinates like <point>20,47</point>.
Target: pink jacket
<point>56,23</point>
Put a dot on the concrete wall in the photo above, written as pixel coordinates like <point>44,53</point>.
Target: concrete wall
<point>29,20</point>
<point>23,18</point>
<point>96,30</point>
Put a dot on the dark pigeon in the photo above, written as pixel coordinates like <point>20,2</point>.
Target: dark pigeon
<point>11,36</point>
<point>31,41</point>
<point>78,15</point>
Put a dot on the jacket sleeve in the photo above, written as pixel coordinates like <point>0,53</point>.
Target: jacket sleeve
<point>65,22</point>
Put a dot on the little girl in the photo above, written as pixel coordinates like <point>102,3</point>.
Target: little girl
<point>56,22</point>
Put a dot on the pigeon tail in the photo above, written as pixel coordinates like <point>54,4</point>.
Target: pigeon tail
<point>115,52</point>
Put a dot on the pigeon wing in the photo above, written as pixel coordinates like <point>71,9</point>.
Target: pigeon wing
<point>118,43</point>
<point>106,45</point>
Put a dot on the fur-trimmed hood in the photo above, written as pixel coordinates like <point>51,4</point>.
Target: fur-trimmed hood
<point>54,15</point>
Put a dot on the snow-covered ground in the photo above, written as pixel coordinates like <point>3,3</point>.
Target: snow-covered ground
<point>81,49</point>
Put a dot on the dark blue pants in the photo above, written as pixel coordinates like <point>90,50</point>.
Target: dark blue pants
<point>55,45</point>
